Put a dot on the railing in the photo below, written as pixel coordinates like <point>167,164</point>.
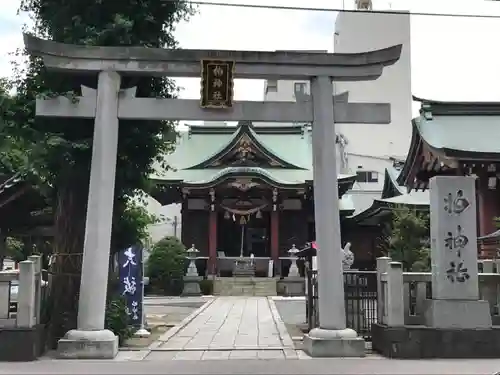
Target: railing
<point>360,292</point>
<point>410,291</point>
<point>360,297</point>
<point>312,310</point>
<point>21,295</point>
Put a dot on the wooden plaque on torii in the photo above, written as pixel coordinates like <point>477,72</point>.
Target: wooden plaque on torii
<point>217,84</point>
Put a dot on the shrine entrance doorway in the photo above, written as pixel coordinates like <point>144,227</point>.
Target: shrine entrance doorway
<point>242,236</point>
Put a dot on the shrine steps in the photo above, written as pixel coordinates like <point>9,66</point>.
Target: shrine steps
<point>245,286</point>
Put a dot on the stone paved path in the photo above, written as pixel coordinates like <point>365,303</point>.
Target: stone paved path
<point>326,366</point>
<point>229,328</point>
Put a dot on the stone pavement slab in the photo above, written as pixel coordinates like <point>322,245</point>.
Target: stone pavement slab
<point>248,324</point>
<point>331,366</point>
<point>131,355</point>
<point>189,355</point>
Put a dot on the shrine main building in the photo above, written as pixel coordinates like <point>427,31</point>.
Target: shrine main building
<point>244,190</point>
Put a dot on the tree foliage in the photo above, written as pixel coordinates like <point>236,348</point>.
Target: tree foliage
<point>15,249</point>
<point>12,147</point>
<point>59,150</point>
<point>408,240</point>
<point>133,227</point>
<point>166,263</point>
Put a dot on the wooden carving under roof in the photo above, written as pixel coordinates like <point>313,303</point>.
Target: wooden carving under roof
<point>424,162</point>
<point>245,149</point>
<point>244,184</point>
<point>246,152</point>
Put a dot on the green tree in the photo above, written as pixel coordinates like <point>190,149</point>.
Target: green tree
<point>166,263</point>
<point>11,153</point>
<point>64,147</point>
<point>409,238</point>
<point>133,225</point>
<point>15,249</point>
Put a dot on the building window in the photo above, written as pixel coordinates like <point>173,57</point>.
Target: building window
<point>367,176</point>
<point>299,87</point>
<point>272,86</point>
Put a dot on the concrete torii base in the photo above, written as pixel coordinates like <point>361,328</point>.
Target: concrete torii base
<point>334,343</point>
<point>77,344</point>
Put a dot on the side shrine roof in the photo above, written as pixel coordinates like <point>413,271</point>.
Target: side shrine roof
<point>206,155</point>
<point>447,133</point>
<point>460,129</point>
<point>21,204</point>
<point>393,195</point>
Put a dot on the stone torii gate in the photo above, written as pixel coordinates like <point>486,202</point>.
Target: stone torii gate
<point>332,338</point>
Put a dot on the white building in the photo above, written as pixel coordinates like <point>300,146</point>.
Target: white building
<point>371,147</point>
<point>169,219</point>
<point>368,148</point>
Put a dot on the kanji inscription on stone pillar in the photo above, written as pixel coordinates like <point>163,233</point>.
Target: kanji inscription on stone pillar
<point>453,237</point>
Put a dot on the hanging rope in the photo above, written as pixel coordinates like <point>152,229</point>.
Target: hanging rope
<point>235,211</point>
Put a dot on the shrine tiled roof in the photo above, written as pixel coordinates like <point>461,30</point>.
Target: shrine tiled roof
<point>383,207</point>
<point>206,154</point>
<point>460,129</point>
<point>391,186</point>
<point>493,237</point>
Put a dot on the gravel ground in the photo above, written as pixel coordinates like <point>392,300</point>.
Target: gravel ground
<point>162,313</point>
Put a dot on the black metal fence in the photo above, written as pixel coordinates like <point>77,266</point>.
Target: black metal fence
<point>360,296</point>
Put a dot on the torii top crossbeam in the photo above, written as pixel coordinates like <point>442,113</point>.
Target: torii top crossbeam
<point>186,62</point>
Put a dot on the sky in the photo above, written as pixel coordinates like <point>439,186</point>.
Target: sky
<point>452,58</point>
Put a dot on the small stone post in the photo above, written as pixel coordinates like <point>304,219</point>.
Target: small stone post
<point>26,295</point>
<point>489,286</point>
<point>395,295</point>
<point>192,279</point>
<point>37,261</point>
<point>488,265</point>
<point>382,267</point>
<point>497,265</point>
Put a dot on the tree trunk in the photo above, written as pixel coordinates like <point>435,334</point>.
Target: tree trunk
<point>69,224</point>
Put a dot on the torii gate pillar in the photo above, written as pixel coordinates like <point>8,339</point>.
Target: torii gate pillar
<point>332,338</point>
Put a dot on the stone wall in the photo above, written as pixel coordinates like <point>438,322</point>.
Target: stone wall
<point>424,342</point>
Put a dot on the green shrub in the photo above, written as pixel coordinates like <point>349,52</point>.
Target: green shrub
<point>207,287</point>
<point>409,239</point>
<point>166,265</point>
<point>117,319</point>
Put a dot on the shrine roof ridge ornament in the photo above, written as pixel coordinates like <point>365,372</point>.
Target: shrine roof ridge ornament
<point>186,62</point>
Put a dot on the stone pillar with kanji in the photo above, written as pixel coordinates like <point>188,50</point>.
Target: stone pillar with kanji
<point>455,283</point>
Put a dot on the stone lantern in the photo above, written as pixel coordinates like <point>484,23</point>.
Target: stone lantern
<point>192,279</point>
<point>294,270</point>
<point>294,285</point>
<point>192,254</point>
